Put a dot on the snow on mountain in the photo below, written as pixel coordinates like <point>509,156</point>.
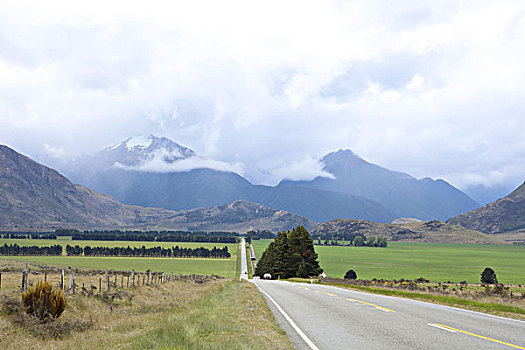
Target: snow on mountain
<point>142,148</point>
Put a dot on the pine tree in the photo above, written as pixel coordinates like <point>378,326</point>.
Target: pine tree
<point>290,254</point>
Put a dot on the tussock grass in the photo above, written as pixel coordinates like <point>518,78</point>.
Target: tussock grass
<point>220,314</point>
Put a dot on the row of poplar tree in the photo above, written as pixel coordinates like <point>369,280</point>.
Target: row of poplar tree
<point>291,254</point>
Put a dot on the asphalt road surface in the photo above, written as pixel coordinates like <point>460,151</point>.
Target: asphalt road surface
<point>325,317</point>
<point>244,266</point>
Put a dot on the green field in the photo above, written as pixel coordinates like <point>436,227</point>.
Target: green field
<point>437,262</point>
<point>221,267</point>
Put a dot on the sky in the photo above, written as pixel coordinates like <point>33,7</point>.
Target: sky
<point>433,88</point>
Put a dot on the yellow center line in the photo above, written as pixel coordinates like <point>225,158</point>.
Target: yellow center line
<point>320,291</point>
<point>304,288</point>
<point>480,336</point>
<point>374,305</point>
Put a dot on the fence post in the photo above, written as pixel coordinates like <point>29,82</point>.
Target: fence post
<point>133,278</point>
<point>127,281</point>
<point>45,276</point>
<point>0,280</point>
<point>121,281</point>
<point>71,283</point>
<point>62,281</point>
<point>149,277</point>
<point>24,279</point>
<point>107,282</point>
<point>99,285</point>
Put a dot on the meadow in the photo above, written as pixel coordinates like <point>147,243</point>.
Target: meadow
<point>437,262</point>
<point>201,266</point>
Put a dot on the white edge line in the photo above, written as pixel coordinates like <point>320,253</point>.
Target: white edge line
<point>292,323</point>
<point>443,328</point>
<point>380,308</point>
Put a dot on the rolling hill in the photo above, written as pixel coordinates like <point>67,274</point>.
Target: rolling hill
<point>430,231</point>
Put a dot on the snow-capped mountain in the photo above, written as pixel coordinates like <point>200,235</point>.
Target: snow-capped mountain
<point>141,148</point>
<point>157,172</point>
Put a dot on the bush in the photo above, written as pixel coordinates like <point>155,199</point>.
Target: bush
<point>488,276</point>
<point>350,275</point>
<point>44,302</point>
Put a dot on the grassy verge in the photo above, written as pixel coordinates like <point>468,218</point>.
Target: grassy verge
<point>491,307</point>
<point>220,314</point>
<point>236,317</point>
<point>248,261</point>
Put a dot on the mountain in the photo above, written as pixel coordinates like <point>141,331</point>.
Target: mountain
<point>131,152</point>
<point>504,215</point>
<point>424,199</point>
<point>430,231</point>
<point>35,196</point>
<point>124,171</point>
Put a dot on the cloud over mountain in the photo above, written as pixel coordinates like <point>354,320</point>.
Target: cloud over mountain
<point>432,89</point>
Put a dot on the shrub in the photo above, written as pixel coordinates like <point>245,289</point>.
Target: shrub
<point>421,280</point>
<point>44,302</point>
<point>488,276</point>
<point>350,275</point>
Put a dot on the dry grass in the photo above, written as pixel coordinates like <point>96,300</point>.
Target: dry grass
<point>218,314</point>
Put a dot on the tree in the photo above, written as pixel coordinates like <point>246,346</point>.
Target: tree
<point>359,241</point>
<point>489,276</point>
<point>350,275</point>
<point>291,254</point>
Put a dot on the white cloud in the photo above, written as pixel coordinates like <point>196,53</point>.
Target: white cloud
<point>307,169</point>
<point>158,165</point>
<point>433,89</point>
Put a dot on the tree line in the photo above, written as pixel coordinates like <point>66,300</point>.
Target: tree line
<point>15,249</point>
<point>28,235</point>
<point>173,252</point>
<point>358,241</point>
<point>259,234</point>
<point>291,254</point>
<point>156,236</point>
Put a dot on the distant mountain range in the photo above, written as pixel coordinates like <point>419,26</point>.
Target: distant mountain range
<point>504,215</point>
<point>157,172</point>
<point>33,196</point>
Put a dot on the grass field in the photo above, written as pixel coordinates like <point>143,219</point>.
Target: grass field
<point>435,261</point>
<point>221,267</point>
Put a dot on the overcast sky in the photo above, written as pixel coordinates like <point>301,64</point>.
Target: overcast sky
<point>432,88</point>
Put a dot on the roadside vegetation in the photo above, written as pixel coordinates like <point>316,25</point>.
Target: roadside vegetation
<point>501,300</point>
<point>180,314</point>
<point>291,254</point>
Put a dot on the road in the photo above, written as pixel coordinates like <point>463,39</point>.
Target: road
<point>244,265</point>
<point>325,317</point>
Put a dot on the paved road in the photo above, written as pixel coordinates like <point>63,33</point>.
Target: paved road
<point>244,266</point>
<point>336,318</point>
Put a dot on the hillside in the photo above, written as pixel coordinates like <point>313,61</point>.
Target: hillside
<point>35,196</point>
<point>504,215</point>
<point>430,231</point>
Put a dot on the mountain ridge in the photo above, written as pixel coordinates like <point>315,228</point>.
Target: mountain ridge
<point>359,189</point>
<point>35,196</point>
